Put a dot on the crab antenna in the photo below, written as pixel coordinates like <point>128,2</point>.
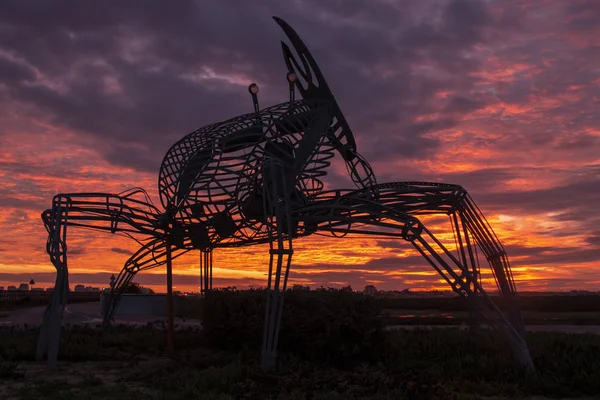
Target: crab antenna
<point>253,89</point>
<point>291,78</point>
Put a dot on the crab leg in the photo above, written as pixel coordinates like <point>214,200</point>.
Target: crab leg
<point>279,224</point>
<point>111,213</point>
<point>151,255</point>
<point>206,264</point>
<point>394,214</point>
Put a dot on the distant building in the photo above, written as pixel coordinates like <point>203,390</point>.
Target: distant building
<point>79,289</point>
<point>49,289</point>
<point>370,290</point>
<point>37,289</point>
<point>1,288</point>
<point>11,287</point>
<point>24,287</point>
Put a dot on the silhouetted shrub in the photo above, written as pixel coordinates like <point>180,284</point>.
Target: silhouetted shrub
<point>136,288</point>
<point>8,369</point>
<point>329,325</point>
<point>420,364</point>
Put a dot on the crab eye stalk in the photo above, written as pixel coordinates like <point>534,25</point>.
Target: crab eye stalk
<point>253,89</point>
<point>291,78</point>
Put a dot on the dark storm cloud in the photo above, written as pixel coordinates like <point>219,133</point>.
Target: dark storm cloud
<point>22,204</point>
<point>462,105</point>
<point>391,244</point>
<point>593,239</point>
<point>20,181</point>
<point>131,156</point>
<point>410,263</point>
<point>11,71</point>
<point>553,70</point>
<point>151,54</point>
<point>583,8</point>
<point>534,255</point>
<point>577,141</point>
<point>415,263</point>
<point>570,256</point>
<point>481,180</point>
<point>120,251</point>
<point>546,255</point>
<point>520,251</point>
<point>583,196</point>
<point>77,251</point>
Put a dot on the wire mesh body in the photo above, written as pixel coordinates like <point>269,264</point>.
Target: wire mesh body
<point>210,181</point>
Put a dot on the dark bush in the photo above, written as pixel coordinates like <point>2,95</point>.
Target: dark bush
<point>136,288</point>
<point>233,319</point>
<point>9,369</point>
<point>329,325</point>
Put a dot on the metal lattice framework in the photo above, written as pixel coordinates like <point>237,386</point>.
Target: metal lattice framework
<point>257,178</point>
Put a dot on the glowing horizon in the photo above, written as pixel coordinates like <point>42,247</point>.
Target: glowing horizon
<point>499,97</point>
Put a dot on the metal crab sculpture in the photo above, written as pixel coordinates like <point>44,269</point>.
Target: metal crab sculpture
<point>256,179</point>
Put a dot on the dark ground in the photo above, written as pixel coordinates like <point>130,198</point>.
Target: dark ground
<point>131,362</point>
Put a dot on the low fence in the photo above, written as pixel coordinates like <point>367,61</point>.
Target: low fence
<point>130,304</point>
<point>154,305</point>
<point>141,304</point>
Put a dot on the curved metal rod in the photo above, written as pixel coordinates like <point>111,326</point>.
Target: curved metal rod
<point>458,274</point>
<point>339,133</point>
<point>99,211</point>
<point>151,255</point>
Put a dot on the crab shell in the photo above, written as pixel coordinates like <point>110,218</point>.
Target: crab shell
<point>213,178</point>
<point>211,181</point>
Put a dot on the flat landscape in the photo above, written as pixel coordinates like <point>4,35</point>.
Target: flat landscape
<point>130,362</point>
<point>346,350</point>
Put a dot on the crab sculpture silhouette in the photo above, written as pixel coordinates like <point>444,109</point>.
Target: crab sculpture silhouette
<point>257,178</point>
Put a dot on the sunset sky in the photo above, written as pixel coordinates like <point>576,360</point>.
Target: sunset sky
<point>499,96</point>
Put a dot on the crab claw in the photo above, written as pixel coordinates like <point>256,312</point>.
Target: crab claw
<point>313,86</point>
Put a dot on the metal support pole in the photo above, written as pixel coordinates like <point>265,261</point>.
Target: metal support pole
<point>277,207</point>
<point>206,273</point>
<point>201,274</point>
<point>210,262</point>
<point>170,329</point>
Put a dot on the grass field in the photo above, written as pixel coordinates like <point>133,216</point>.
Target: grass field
<point>536,310</point>
<point>442,317</point>
<point>334,345</point>
<point>131,363</point>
